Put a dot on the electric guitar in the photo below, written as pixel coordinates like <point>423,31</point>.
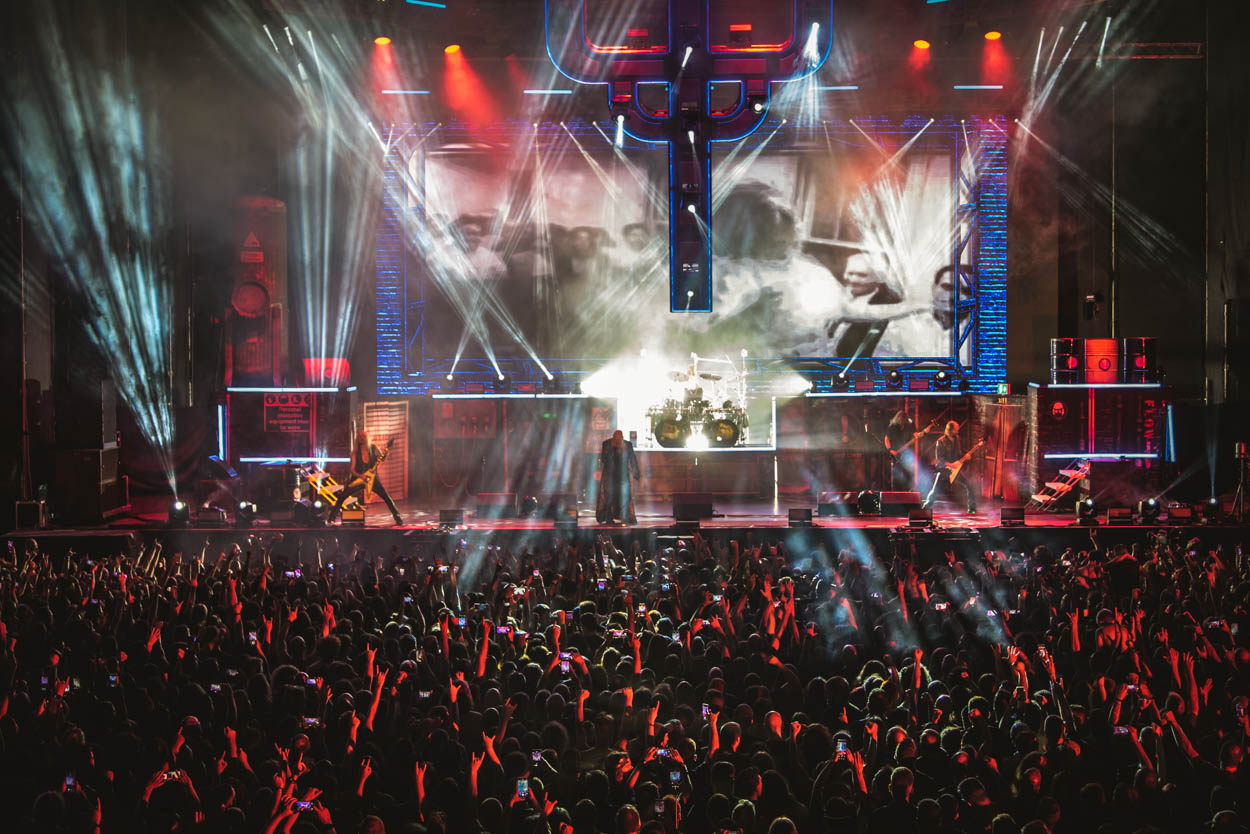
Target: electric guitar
<point>955,466</point>
<point>371,474</point>
<point>915,437</point>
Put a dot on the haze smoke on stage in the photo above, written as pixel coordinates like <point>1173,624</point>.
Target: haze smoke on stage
<point>84,152</point>
<point>335,164</point>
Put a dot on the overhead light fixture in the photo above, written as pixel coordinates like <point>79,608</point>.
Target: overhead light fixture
<point>993,35</point>
<point>921,44</point>
<point>451,48</point>
<point>894,380</point>
<point>382,41</point>
<point>1087,512</point>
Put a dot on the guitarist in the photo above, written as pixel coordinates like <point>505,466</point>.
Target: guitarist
<point>947,452</point>
<point>364,458</point>
<point>900,436</point>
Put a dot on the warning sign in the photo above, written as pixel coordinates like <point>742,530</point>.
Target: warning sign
<point>294,417</point>
<point>251,242</point>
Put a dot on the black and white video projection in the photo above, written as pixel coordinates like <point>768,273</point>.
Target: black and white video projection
<point>840,247</point>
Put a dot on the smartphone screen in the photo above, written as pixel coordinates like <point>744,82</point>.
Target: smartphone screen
<point>564,666</point>
<point>674,777</point>
<point>536,756</point>
<point>523,788</point>
<point>460,621</point>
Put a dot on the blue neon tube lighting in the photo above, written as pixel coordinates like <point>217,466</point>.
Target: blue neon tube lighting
<point>898,393</point>
<point>548,92</point>
<point>294,460</point>
<point>1103,455</point>
<point>221,432</point>
<point>405,92</point>
<point>282,390</point>
<point>1110,385</point>
<point>434,5</point>
<point>978,86</point>
<point>839,87</point>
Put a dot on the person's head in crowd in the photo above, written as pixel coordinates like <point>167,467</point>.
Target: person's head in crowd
<point>232,695</point>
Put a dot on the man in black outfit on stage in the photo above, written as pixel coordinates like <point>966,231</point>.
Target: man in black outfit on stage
<point>617,465</point>
<point>947,451</point>
<point>365,456</point>
<point>898,442</point>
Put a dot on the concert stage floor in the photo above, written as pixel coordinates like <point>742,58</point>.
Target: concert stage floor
<point>760,521</point>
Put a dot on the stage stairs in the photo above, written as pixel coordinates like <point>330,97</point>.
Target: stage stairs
<point>1047,500</point>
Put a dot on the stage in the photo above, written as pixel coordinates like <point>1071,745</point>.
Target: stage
<point>751,521</point>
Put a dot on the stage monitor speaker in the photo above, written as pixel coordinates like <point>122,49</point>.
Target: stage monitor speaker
<point>1119,516</point>
<point>836,504</point>
<point>692,506</point>
<point>1067,361</point>
<point>1011,517</point>
<point>1180,514</point>
<point>353,516</point>
<point>899,503</point>
<point>496,504</point>
<point>451,518</point>
<point>800,517</point>
<point>920,518</point>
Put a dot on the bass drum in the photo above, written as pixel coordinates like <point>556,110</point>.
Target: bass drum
<point>723,429</point>
<point>670,431</point>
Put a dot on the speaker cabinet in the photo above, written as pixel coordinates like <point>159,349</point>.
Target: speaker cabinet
<point>691,506</point>
<point>88,487</point>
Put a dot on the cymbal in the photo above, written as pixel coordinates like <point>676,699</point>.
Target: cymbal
<point>713,377</point>
<point>678,376</point>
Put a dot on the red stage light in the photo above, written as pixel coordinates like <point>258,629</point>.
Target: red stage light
<point>921,44</point>
<point>993,36</point>
<point>1073,362</point>
<point>382,41</point>
<point>466,92</point>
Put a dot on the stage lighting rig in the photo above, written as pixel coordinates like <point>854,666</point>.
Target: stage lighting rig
<point>839,382</point>
<point>306,513</point>
<point>1148,511</point>
<point>179,514</point>
<point>1087,512</point>
<point>1212,510</point>
<point>895,380</point>
<point>942,380</point>
<point>244,514</point>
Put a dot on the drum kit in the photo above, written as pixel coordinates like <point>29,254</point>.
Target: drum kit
<point>702,409</point>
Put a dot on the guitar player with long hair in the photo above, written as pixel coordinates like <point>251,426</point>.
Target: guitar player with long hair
<point>949,462</point>
<point>364,481</point>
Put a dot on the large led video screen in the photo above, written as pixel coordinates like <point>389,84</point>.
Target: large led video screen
<point>850,244</point>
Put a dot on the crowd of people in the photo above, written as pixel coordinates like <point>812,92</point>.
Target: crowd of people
<point>707,685</point>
